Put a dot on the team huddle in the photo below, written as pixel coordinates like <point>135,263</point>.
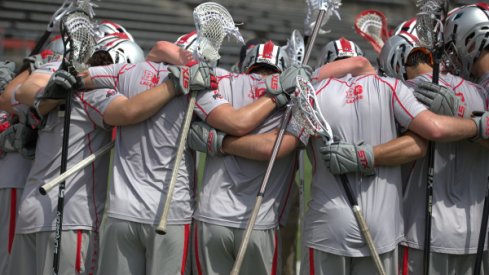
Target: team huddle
<point>374,163</point>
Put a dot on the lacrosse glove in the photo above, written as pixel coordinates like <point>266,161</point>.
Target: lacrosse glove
<point>343,158</point>
<point>60,83</point>
<point>482,122</point>
<point>19,138</point>
<point>194,77</point>
<point>280,86</point>
<point>439,99</point>
<point>204,138</point>
<point>7,69</point>
<point>37,60</point>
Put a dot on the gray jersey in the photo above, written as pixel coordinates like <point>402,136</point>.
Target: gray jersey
<point>85,191</point>
<point>231,183</point>
<point>364,108</point>
<point>145,152</point>
<point>460,183</point>
<point>484,81</point>
<point>13,167</point>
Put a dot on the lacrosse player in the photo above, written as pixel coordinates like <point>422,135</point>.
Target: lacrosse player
<point>334,241</point>
<point>231,183</point>
<point>460,166</point>
<point>85,191</point>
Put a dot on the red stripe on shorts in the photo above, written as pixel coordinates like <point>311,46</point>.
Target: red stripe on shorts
<point>78,250</point>
<point>311,261</point>
<point>275,254</point>
<point>197,261</point>
<point>185,248</point>
<point>405,260</point>
<point>13,211</point>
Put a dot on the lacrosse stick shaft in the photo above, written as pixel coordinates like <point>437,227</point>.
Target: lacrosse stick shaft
<point>61,192</point>
<point>161,228</point>
<point>312,39</point>
<point>82,164</point>
<point>259,198</point>
<point>482,233</point>
<point>429,207</point>
<point>362,223</point>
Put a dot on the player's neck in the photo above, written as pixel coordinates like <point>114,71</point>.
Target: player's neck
<point>481,66</point>
<point>414,71</point>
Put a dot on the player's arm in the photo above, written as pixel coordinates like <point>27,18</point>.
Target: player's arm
<point>6,96</point>
<point>354,65</point>
<point>400,150</point>
<point>241,121</point>
<point>164,51</point>
<point>443,128</point>
<point>124,111</point>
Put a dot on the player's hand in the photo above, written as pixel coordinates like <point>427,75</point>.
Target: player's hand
<point>204,138</point>
<point>481,120</point>
<point>195,77</point>
<point>7,69</point>
<point>60,83</point>
<point>343,158</point>
<point>439,99</point>
<point>282,85</point>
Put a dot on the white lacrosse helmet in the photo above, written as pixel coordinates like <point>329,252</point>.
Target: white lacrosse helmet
<point>55,45</point>
<point>465,35</point>
<point>265,54</point>
<point>395,52</point>
<point>408,26</point>
<point>188,41</point>
<point>108,27</point>
<point>341,48</point>
<point>120,50</point>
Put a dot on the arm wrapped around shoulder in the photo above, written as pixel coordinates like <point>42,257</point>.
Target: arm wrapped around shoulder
<point>204,138</point>
<point>60,83</point>
<point>343,158</point>
<point>282,85</point>
<point>193,77</point>
<point>439,99</point>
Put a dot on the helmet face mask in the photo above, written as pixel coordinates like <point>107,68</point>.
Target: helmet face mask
<point>265,55</point>
<point>339,49</point>
<point>466,34</point>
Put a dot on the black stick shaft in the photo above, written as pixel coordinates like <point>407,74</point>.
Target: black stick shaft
<point>61,192</point>
<point>482,233</point>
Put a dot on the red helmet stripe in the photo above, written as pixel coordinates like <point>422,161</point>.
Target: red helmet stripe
<point>268,49</point>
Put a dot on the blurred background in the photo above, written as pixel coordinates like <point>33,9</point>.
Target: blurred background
<point>22,22</point>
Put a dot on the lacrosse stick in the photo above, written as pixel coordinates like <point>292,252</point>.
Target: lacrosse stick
<point>77,34</point>
<point>308,113</point>
<point>213,22</point>
<point>429,28</point>
<point>82,164</point>
<point>372,26</point>
<point>482,233</point>
<point>327,7</point>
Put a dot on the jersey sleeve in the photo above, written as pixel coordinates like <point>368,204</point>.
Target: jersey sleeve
<point>48,68</point>
<point>106,76</point>
<point>405,105</point>
<point>95,103</point>
<point>208,101</point>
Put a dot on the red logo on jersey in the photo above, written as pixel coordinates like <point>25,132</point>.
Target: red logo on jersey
<point>216,94</point>
<point>150,79</point>
<point>256,92</point>
<point>186,78</point>
<point>363,159</point>
<point>461,108</point>
<point>354,94</point>
<point>110,93</point>
<point>274,81</point>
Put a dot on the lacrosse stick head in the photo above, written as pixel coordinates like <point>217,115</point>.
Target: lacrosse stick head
<point>338,49</point>
<point>78,35</point>
<point>465,35</point>
<point>394,55</point>
<point>295,48</point>
<point>267,54</point>
<point>429,22</point>
<point>213,22</point>
<point>372,26</point>
<point>314,7</point>
<point>307,112</point>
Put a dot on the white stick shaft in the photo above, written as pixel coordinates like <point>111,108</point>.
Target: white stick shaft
<point>161,228</point>
<point>368,238</point>
<point>82,164</point>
